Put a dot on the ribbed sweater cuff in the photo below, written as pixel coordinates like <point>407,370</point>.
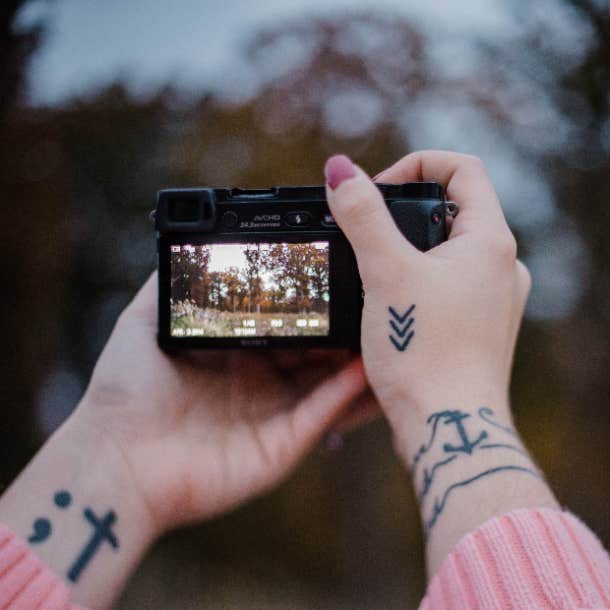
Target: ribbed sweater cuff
<point>25,582</point>
<point>528,558</point>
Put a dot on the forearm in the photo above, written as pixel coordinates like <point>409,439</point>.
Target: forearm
<point>76,506</point>
<point>468,465</point>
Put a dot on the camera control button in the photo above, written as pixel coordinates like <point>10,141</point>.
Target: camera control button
<point>328,220</point>
<point>229,219</point>
<point>298,219</point>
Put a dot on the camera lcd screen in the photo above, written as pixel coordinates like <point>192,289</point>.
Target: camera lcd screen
<point>250,289</point>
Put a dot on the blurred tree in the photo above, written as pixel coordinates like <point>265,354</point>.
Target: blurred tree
<point>254,265</point>
<point>319,264</point>
<point>216,290</point>
<point>16,49</point>
<point>581,345</point>
<point>33,189</point>
<point>190,275</point>
<point>558,72</point>
<point>234,289</point>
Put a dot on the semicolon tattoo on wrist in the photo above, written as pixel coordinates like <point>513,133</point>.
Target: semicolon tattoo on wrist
<point>401,328</point>
<point>102,532</point>
<point>454,437</point>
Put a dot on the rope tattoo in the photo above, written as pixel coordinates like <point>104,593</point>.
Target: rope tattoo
<point>455,436</point>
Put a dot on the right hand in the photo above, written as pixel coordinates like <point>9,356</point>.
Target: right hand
<point>469,292</point>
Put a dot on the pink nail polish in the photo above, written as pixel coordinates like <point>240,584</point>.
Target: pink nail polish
<point>337,169</point>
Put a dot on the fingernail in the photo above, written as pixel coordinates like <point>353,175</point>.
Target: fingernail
<point>337,169</point>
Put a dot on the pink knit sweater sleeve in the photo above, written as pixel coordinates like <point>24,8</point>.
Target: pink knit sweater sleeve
<point>25,582</point>
<point>526,559</point>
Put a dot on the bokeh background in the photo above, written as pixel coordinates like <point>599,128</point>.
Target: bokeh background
<point>103,103</point>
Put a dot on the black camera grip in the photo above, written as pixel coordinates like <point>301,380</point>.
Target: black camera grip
<point>422,222</point>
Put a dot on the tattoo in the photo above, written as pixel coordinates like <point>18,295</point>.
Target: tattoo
<point>429,476</point>
<point>63,499</point>
<point>439,505</point>
<point>454,436</point>
<point>426,446</point>
<point>466,446</point>
<point>505,446</point>
<point>102,532</point>
<point>42,527</point>
<point>447,418</point>
<point>42,530</point>
<point>401,327</point>
<point>487,415</point>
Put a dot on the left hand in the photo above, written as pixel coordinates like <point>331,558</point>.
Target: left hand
<point>202,432</point>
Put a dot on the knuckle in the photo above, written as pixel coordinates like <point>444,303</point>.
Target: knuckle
<point>474,162</point>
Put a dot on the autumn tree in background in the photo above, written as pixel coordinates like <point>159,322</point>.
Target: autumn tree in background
<point>34,246</point>
<point>276,277</point>
<point>190,275</point>
<point>255,263</point>
<point>16,48</point>
<point>233,288</point>
<point>319,272</point>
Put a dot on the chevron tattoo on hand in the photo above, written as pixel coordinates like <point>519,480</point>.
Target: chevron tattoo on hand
<point>401,330</point>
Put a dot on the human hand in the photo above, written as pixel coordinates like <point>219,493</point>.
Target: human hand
<point>202,432</point>
<point>469,292</point>
<point>158,441</point>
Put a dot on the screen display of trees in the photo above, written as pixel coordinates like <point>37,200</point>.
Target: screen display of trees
<point>258,280</point>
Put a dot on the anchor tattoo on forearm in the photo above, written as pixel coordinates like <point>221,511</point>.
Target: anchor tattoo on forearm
<point>461,434</point>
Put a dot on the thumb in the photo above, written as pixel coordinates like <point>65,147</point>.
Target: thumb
<point>362,214</point>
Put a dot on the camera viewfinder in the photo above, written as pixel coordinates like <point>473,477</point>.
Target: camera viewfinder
<point>184,209</point>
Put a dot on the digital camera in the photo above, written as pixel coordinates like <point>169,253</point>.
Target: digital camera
<point>242,268</point>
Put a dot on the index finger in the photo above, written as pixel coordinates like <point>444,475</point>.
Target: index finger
<point>465,180</point>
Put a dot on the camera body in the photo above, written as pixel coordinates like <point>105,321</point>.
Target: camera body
<point>243,268</point>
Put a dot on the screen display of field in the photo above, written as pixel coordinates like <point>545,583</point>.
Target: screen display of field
<point>250,290</point>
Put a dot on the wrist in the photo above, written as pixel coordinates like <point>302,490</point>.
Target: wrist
<point>467,464</point>
<point>409,412</point>
<point>112,473</point>
<point>105,469</point>
<point>78,508</point>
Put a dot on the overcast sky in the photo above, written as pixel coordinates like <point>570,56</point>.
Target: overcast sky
<point>192,43</point>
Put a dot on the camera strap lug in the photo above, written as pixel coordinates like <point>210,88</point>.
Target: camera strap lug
<point>451,208</point>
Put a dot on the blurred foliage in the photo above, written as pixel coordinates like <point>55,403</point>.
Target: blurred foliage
<point>78,181</point>
<point>15,51</point>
